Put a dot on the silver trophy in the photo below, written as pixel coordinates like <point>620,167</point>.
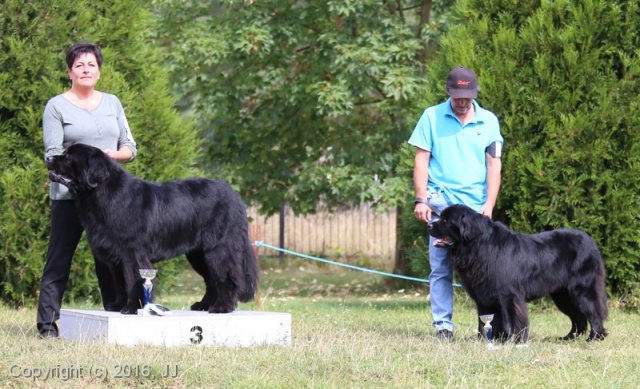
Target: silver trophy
<point>487,330</point>
<point>149,307</point>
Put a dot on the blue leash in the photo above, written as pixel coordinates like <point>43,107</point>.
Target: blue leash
<point>262,244</point>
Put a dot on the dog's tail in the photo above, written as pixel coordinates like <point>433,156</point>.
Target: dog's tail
<point>250,270</point>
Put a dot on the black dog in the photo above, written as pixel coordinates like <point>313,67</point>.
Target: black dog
<point>503,270</point>
<point>131,223</point>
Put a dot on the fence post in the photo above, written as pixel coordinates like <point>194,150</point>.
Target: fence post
<point>281,238</point>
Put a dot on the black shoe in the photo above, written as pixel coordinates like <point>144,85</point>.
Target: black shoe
<point>48,333</point>
<point>444,335</point>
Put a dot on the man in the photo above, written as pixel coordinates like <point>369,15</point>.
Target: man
<point>458,146</point>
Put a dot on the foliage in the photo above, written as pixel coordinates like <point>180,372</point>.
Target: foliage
<point>563,79</point>
<point>413,237</point>
<point>33,38</point>
<point>302,101</point>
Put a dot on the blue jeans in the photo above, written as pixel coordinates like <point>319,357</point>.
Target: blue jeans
<point>441,277</point>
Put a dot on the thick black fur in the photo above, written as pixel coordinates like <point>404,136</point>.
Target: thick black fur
<point>503,270</point>
<point>131,223</point>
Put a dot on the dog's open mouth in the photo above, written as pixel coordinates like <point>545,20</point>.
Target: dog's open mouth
<point>53,176</point>
<point>443,242</point>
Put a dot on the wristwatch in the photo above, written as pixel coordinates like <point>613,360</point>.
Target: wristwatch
<point>420,200</point>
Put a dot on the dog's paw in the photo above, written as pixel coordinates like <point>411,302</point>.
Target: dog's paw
<point>573,335</point>
<point>221,309</point>
<point>199,306</point>
<point>127,310</point>
<point>113,307</point>
<point>597,336</point>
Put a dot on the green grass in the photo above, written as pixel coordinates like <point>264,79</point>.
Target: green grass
<point>349,330</point>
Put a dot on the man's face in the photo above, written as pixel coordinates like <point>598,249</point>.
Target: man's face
<point>461,106</point>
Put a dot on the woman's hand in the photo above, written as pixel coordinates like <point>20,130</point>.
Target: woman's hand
<point>122,155</point>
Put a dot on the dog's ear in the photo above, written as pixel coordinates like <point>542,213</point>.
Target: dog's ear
<point>471,226</point>
<point>96,172</point>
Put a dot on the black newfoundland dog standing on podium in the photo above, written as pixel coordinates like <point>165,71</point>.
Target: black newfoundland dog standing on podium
<point>131,223</point>
<point>503,270</point>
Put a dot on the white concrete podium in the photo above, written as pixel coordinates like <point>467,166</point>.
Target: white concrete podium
<point>181,328</point>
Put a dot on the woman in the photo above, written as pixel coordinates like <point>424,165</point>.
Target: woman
<point>80,115</point>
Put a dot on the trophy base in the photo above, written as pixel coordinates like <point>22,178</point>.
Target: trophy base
<point>181,328</point>
<point>154,310</point>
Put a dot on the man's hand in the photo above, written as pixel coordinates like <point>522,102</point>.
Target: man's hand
<point>422,212</point>
<point>487,210</point>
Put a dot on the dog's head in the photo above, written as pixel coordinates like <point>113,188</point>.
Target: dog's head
<point>81,168</point>
<point>458,224</point>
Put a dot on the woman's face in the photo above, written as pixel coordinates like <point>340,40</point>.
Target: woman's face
<point>85,71</point>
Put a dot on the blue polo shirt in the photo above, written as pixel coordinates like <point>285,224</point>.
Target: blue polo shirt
<point>458,163</point>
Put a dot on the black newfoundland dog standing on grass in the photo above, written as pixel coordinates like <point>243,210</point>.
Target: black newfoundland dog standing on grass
<point>131,223</point>
<point>503,270</point>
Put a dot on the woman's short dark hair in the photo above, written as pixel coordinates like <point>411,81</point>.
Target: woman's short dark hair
<point>83,48</point>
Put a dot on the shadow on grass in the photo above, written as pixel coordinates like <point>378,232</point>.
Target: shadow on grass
<point>17,329</point>
<point>391,305</point>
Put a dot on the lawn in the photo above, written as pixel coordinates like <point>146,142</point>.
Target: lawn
<point>349,330</point>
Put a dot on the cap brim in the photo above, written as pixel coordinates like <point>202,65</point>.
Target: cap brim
<point>463,93</point>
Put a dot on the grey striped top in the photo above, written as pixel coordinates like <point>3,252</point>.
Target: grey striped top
<point>64,124</point>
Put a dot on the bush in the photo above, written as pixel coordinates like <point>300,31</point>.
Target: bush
<point>33,39</point>
<point>562,78</point>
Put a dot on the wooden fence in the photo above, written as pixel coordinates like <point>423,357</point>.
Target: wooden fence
<point>354,232</point>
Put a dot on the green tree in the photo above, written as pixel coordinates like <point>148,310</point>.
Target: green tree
<point>562,77</point>
<point>33,38</point>
<point>303,101</point>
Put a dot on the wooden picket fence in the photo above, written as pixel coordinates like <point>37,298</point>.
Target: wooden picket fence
<point>354,232</point>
